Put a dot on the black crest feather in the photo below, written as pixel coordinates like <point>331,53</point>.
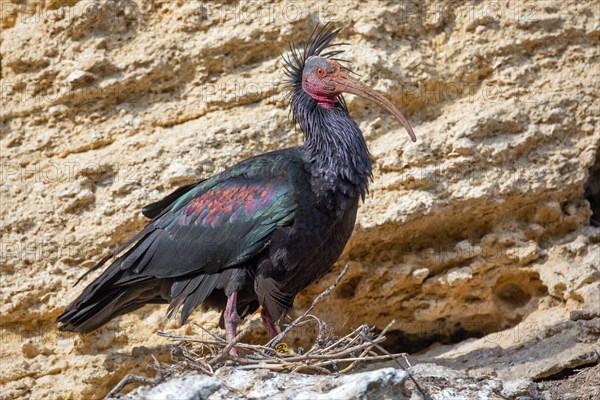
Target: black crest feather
<point>319,44</point>
<point>320,40</point>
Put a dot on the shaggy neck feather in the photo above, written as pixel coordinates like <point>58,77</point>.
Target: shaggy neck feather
<point>335,145</point>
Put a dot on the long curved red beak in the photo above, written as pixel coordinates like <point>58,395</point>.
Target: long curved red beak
<point>346,84</point>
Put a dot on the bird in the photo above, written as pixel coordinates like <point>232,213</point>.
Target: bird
<point>258,233</point>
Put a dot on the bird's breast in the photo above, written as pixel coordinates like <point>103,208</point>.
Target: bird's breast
<point>308,249</point>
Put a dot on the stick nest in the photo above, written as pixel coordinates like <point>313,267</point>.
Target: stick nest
<point>327,354</point>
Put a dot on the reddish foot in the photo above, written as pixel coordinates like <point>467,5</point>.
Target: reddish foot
<point>232,319</point>
<point>269,325</point>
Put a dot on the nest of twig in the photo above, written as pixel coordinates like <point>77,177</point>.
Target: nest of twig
<point>327,354</point>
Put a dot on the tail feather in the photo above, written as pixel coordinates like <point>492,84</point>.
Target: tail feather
<point>91,316</point>
<point>190,293</point>
<point>198,296</point>
<point>103,301</point>
<point>118,291</point>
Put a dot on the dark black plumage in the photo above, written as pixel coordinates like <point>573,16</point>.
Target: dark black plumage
<point>258,233</point>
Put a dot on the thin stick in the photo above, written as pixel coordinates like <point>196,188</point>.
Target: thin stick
<point>371,358</point>
<point>210,333</point>
<point>277,338</point>
<point>127,379</point>
<point>188,338</point>
<point>230,345</point>
<point>339,341</point>
<point>368,349</point>
<point>286,365</point>
<point>423,393</point>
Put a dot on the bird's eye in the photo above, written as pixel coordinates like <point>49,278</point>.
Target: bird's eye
<point>320,72</point>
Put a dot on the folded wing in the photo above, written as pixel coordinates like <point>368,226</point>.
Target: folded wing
<point>178,257</point>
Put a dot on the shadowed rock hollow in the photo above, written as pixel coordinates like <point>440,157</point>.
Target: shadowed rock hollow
<point>480,229</point>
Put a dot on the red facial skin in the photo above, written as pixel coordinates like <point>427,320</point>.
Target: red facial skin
<point>319,85</point>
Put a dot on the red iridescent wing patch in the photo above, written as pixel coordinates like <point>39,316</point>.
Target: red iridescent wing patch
<point>229,203</point>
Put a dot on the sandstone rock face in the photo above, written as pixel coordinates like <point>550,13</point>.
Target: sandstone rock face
<point>480,229</point>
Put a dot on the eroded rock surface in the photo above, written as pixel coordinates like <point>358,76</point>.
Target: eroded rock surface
<point>480,229</point>
<point>387,383</point>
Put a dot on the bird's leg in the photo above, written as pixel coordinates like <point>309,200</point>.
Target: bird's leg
<point>269,325</point>
<point>232,319</point>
